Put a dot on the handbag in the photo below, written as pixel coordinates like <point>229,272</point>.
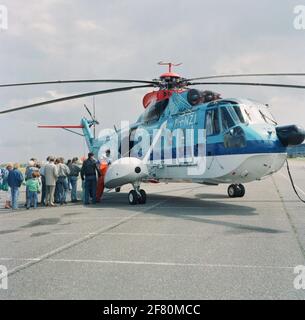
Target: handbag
<point>4,187</point>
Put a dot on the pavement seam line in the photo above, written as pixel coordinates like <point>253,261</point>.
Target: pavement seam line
<point>289,218</point>
<point>76,242</point>
<point>297,187</point>
<point>83,239</point>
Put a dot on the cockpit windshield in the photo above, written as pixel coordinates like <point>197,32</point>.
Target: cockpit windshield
<point>226,119</point>
<point>256,114</point>
<point>239,113</point>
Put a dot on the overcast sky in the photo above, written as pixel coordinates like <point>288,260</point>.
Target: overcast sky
<point>68,39</point>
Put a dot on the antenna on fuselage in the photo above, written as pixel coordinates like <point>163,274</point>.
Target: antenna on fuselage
<point>94,126</point>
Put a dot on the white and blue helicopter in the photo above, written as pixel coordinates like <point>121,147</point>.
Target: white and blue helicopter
<point>232,141</point>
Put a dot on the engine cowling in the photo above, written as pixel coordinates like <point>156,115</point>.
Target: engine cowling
<point>156,96</point>
<point>124,171</point>
<point>290,135</point>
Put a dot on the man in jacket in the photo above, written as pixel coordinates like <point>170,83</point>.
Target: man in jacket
<point>74,173</point>
<point>63,173</point>
<point>88,173</point>
<point>51,175</point>
<point>14,180</point>
<point>43,182</point>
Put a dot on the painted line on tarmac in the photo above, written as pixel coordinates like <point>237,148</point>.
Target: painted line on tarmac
<point>151,234</point>
<point>152,263</point>
<point>81,240</point>
<point>77,242</point>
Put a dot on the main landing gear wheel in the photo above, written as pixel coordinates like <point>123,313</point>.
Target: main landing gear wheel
<point>236,191</point>
<point>135,197</point>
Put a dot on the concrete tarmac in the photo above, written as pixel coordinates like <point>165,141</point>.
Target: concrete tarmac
<point>188,242</point>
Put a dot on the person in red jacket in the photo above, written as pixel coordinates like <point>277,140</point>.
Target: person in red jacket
<point>101,180</point>
<point>103,166</point>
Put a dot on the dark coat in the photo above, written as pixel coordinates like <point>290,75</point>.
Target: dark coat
<point>89,168</point>
<point>15,178</point>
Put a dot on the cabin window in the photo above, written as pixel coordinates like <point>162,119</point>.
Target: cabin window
<point>226,119</point>
<point>212,122</point>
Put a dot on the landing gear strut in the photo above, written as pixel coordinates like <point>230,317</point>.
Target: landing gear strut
<point>236,191</point>
<point>137,196</point>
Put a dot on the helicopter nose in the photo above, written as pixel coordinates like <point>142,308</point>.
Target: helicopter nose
<point>290,135</point>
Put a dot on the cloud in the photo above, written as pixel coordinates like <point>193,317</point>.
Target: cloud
<point>87,25</point>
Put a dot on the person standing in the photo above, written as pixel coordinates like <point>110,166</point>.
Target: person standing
<point>51,175</point>
<point>69,162</point>
<point>43,182</point>
<point>31,167</point>
<point>4,188</point>
<point>15,179</point>
<point>74,173</point>
<point>104,163</point>
<point>56,192</point>
<point>33,185</point>
<point>63,173</point>
<point>88,174</point>
<point>107,157</point>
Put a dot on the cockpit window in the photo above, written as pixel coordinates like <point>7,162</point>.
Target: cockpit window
<point>212,122</point>
<point>226,119</point>
<point>239,113</point>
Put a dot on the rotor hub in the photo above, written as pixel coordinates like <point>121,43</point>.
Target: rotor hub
<point>169,75</point>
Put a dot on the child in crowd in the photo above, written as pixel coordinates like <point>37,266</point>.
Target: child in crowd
<point>33,185</point>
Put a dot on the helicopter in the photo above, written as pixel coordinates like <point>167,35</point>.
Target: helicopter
<point>186,134</point>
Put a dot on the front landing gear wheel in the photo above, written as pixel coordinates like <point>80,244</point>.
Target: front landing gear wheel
<point>241,190</point>
<point>236,191</point>
<point>133,197</point>
<point>142,198</point>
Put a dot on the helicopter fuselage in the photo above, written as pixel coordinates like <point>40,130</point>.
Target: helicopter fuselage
<point>240,144</point>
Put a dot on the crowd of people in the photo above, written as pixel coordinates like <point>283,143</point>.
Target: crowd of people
<point>49,183</point>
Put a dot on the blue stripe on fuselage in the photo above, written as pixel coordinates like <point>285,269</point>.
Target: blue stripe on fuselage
<point>218,149</point>
<point>253,146</point>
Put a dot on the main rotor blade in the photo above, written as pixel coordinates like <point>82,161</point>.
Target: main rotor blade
<point>249,75</point>
<point>249,84</point>
<point>88,94</point>
<point>76,81</point>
